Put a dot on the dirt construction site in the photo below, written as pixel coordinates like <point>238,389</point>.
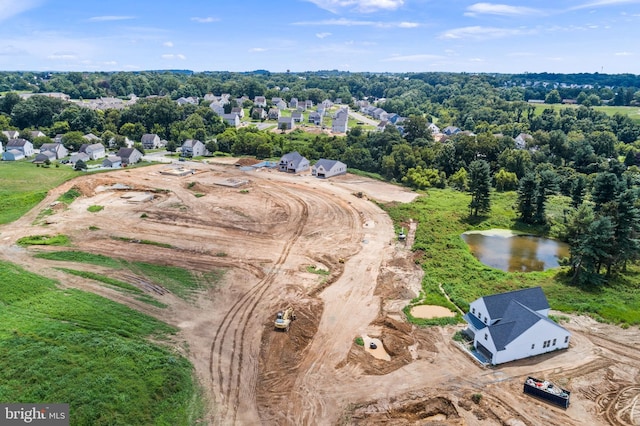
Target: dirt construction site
<point>325,248</point>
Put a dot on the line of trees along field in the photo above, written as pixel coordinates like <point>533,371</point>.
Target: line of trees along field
<point>579,152</point>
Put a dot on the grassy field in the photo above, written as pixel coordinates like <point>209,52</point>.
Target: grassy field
<point>23,185</point>
<point>447,261</point>
<point>632,112</point>
<point>78,348</point>
<point>179,281</point>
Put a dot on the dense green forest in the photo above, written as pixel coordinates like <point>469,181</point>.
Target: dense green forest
<point>579,151</point>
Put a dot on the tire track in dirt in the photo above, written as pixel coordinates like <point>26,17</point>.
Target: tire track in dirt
<point>238,316</point>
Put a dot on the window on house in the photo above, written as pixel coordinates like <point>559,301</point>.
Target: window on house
<point>473,310</point>
<point>486,336</point>
<point>485,320</point>
<point>554,342</point>
<point>566,339</point>
<point>533,346</point>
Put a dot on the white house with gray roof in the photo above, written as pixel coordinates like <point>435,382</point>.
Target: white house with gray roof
<point>293,162</point>
<point>514,325</point>
<point>21,145</point>
<point>326,168</point>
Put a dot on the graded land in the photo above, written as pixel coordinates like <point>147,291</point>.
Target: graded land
<point>274,235</point>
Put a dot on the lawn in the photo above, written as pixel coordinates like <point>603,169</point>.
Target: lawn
<point>181,282</point>
<point>443,216</point>
<point>94,354</point>
<point>23,185</point>
<point>632,112</point>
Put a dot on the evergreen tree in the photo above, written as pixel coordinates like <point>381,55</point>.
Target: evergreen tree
<point>479,186</point>
<point>605,189</point>
<point>526,197</point>
<point>627,225</point>
<point>578,190</point>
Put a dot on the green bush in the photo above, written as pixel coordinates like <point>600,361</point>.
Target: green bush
<point>95,208</point>
<point>359,341</point>
<point>44,240</point>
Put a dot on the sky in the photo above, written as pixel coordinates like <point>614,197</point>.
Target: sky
<point>565,36</point>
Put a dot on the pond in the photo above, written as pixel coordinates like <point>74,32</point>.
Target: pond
<point>502,249</point>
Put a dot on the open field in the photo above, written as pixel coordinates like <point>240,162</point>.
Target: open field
<point>632,112</point>
<point>272,235</point>
<point>22,185</point>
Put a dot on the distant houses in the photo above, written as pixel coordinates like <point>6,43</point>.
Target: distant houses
<point>21,145</point>
<point>129,156</point>
<point>193,148</point>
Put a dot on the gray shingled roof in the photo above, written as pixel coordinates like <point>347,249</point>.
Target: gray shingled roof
<point>497,304</point>
<point>517,319</point>
<point>327,164</point>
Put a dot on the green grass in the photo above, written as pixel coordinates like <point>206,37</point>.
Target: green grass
<point>447,261</point>
<point>22,186</point>
<point>95,208</point>
<point>79,348</point>
<point>359,341</point>
<point>179,281</point>
<point>148,242</point>
<point>312,269</point>
<point>69,196</point>
<point>112,282</point>
<point>631,112</point>
<point>44,240</point>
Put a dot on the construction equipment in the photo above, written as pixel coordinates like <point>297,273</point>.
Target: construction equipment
<point>284,318</point>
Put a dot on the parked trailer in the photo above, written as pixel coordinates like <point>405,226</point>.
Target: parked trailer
<point>547,391</point>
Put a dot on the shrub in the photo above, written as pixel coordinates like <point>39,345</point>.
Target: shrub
<point>476,397</point>
<point>359,341</point>
<point>95,208</point>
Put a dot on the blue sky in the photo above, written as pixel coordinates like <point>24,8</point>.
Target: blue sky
<point>309,35</point>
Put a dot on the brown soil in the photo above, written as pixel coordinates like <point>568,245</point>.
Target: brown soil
<point>265,235</point>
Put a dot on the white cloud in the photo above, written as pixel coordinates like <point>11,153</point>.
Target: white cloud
<point>412,58</point>
<point>257,49</point>
<point>62,56</point>
<point>624,54</point>
<point>500,9</point>
<point>482,33</point>
<point>9,8</point>
<point>603,3</point>
<point>174,56</point>
<point>343,22</point>
<point>206,20</point>
<point>359,5</point>
<point>11,50</point>
<point>323,35</point>
<point>110,18</point>
<point>110,63</point>
<point>168,44</point>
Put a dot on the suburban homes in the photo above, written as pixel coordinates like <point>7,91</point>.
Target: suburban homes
<point>293,162</point>
<point>57,148</point>
<point>514,325</point>
<point>95,151</point>
<point>340,121</point>
<point>129,155</point>
<point>327,168</point>
<point>22,145</point>
<point>12,155</point>
<point>286,123</point>
<point>112,161</point>
<point>193,148</point>
<point>150,141</point>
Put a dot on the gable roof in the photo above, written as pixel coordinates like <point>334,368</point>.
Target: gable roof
<point>149,137</point>
<point>497,304</point>
<point>326,164</point>
<point>17,142</point>
<point>517,319</point>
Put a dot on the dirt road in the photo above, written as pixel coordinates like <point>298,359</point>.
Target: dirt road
<point>324,248</point>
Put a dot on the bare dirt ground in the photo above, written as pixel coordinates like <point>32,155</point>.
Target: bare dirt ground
<point>266,234</point>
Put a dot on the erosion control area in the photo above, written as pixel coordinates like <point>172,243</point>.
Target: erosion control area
<point>325,249</point>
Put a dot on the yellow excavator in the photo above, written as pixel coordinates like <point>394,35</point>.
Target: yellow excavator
<point>284,318</point>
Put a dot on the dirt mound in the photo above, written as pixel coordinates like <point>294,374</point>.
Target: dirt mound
<point>401,341</point>
<point>435,410</point>
<point>243,162</point>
